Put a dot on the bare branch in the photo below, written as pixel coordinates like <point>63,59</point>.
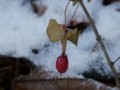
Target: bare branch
<point>98,38</point>
<point>116,60</point>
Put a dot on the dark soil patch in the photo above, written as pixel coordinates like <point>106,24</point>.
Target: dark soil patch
<point>108,2</point>
<point>11,67</point>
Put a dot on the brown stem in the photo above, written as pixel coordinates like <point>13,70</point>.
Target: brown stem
<point>116,60</point>
<point>66,11</point>
<point>64,40</point>
<point>101,45</point>
<point>74,12</point>
<point>64,43</point>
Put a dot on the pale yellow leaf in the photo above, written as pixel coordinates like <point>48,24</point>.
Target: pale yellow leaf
<point>75,2</point>
<point>73,35</point>
<point>54,31</point>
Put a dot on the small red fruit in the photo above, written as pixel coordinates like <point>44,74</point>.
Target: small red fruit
<point>62,63</point>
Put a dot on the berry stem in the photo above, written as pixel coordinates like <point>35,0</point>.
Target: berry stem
<point>64,40</point>
<point>64,44</point>
<point>74,12</point>
<point>66,11</point>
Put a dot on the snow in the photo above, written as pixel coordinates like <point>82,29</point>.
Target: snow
<point>21,30</point>
<point>100,85</point>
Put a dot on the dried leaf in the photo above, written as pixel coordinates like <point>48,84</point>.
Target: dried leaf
<point>73,35</point>
<point>54,31</point>
<point>75,2</point>
<point>89,0</point>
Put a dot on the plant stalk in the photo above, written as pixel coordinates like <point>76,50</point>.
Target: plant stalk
<point>98,38</point>
<point>64,43</point>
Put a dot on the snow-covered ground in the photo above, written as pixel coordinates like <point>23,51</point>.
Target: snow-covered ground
<point>21,30</point>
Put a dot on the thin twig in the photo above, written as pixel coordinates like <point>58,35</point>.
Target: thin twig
<point>116,60</point>
<point>16,74</point>
<point>98,37</point>
<point>64,44</point>
<point>5,68</point>
<point>64,40</point>
<point>66,11</point>
<point>74,12</point>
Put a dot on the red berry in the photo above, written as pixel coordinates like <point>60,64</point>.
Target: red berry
<point>62,63</point>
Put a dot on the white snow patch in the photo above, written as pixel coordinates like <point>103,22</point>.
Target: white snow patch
<point>21,31</point>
